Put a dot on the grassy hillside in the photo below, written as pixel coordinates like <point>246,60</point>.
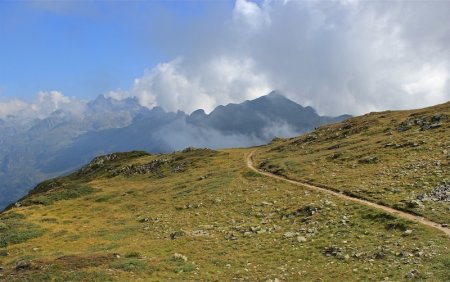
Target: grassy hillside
<point>201,214</point>
<point>400,159</point>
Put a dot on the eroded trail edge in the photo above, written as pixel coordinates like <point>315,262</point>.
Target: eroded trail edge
<point>387,209</point>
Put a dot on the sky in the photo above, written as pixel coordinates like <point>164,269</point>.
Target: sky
<point>338,56</point>
<point>83,48</point>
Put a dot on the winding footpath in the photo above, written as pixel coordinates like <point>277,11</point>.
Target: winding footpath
<point>389,210</point>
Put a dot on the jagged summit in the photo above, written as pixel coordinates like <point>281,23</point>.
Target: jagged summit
<point>102,102</point>
<point>274,94</point>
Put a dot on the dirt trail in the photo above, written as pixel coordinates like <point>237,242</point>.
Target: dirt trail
<point>390,210</point>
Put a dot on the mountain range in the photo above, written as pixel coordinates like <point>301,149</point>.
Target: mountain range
<point>34,149</point>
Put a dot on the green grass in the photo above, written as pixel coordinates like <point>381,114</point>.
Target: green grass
<point>131,265</point>
<point>230,223</point>
<point>371,158</point>
<point>64,192</point>
<point>13,230</point>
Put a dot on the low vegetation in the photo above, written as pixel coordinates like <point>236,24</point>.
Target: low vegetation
<point>399,159</point>
<point>201,214</point>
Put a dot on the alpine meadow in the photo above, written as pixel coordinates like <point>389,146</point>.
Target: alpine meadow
<point>242,140</point>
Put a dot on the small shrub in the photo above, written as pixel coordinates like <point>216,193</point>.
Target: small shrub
<point>104,198</point>
<point>397,225</point>
<point>176,234</point>
<point>133,255</point>
<point>186,267</point>
<point>16,236</point>
<point>379,216</point>
<point>49,219</point>
<point>59,194</point>
<point>251,174</point>
<point>11,215</point>
<point>130,264</point>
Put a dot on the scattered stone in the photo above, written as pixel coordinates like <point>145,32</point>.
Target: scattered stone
<point>301,239</point>
<point>332,251</point>
<point>179,257</point>
<point>189,206</point>
<point>440,193</point>
<point>415,204</point>
<point>22,265</point>
<point>231,236</point>
<point>380,255</point>
<point>176,234</point>
<point>369,160</point>
<point>151,167</point>
<point>413,273</point>
<point>289,234</point>
<point>408,232</point>
<point>357,255</point>
<point>423,122</point>
<point>200,233</point>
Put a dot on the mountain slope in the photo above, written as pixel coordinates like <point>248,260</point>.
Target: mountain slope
<point>28,144</point>
<point>201,214</point>
<point>399,159</point>
<point>261,116</point>
<point>62,142</point>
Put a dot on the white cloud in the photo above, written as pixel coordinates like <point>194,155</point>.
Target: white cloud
<point>337,56</point>
<point>44,104</point>
<point>11,107</point>
<point>179,86</point>
<point>250,14</point>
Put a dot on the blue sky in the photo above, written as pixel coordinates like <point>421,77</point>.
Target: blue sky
<point>87,48</point>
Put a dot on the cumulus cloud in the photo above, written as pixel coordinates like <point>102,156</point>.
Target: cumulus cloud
<point>178,85</point>
<point>337,56</point>
<point>42,106</point>
<point>11,107</point>
<point>250,14</point>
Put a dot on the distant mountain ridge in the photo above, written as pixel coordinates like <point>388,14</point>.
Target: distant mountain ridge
<point>253,116</point>
<point>35,149</point>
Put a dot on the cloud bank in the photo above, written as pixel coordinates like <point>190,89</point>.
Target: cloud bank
<point>43,105</point>
<point>336,56</point>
